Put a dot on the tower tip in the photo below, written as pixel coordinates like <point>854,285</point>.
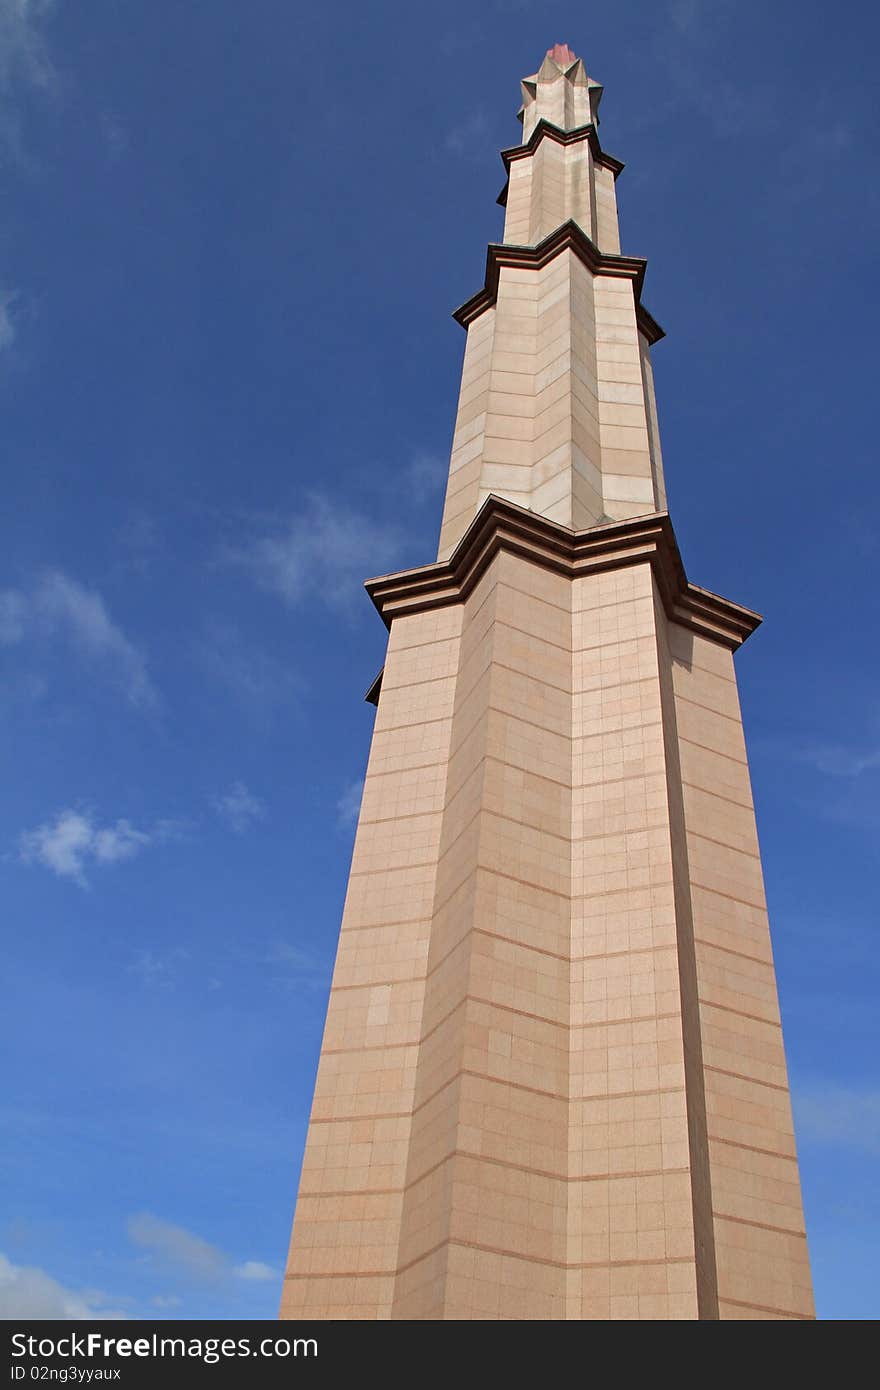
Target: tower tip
<point>561,92</point>
<point>562,54</point>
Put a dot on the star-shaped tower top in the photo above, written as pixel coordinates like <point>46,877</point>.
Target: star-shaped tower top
<point>560,92</point>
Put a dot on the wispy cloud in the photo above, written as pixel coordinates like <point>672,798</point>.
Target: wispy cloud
<point>323,552</point>
<point>138,543</point>
<point>22,46</point>
<point>25,65</point>
<point>13,612</point>
<point>188,1254</point>
<point>29,1292</point>
<point>73,840</point>
<point>158,970</point>
<point>7,322</point>
<point>849,796</point>
<point>178,1247</point>
<point>255,1271</point>
<point>296,968</point>
<point>59,607</point>
<point>469,136</point>
<point>685,15</point>
<point>239,808</point>
<point>813,154</point>
<point>426,476</point>
<point>839,1115</point>
<point>116,137</point>
<point>349,804</point>
<point>256,678</point>
<point>690,48</point>
<point>837,761</point>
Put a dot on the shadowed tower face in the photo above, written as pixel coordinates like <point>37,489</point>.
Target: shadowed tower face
<point>552,1081</point>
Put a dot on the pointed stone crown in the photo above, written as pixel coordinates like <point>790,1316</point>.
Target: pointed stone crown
<point>560,92</point>
<point>562,54</point>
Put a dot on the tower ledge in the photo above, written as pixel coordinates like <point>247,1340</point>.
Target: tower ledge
<point>568,237</point>
<point>502,525</point>
<point>546,130</point>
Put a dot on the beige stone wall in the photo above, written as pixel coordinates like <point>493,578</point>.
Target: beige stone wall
<point>556,410</point>
<point>606,232</point>
<point>759,1237</point>
<point>346,1236</point>
<point>631,1237</point>
<point>484,1213</point>
<point>555,184</point>
<point>552,1082</point>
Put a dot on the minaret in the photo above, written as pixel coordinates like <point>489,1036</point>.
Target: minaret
<point>552,1082</point>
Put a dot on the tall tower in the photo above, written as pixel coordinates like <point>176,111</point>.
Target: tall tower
<point>552,1081</point>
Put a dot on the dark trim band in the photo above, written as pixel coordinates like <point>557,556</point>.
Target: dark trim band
<point>545,130</point>
<point>568,237</point>
<point>503,526</point>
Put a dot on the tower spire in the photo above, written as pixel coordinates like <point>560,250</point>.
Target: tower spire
<point>560,92</point>
<point>557,410</point>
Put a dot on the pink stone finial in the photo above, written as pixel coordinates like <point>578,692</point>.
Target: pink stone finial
<point>562,54</point>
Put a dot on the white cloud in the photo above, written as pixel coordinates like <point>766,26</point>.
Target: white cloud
<point>843,762</point>
<point>425,476</point>
<point>123,841</point>
<point>59,606</point>
<point>7,323</point>
<point>349,804</point>
<point>189,1254</point>
<point>690,48</point>
<point>325,552</point>
<point>158,970</point>
<point>61,847</point>
<point>116,137</point>
<point>239,808</point>
<point>170,828</point>
<point>66,604</point>
<point>831,1114</point>
<point>294,968</point>
<point>22,50</point>
<point>178,1247</point>
<point>67,844</point>
<point>470,136</point>
<point>685,15</point>
<point>29,1292</point>
<point>24,63</point>
<point>255,677</point>
<point>13,613</point>
<point>138,543</point>
<point>255,1270</point>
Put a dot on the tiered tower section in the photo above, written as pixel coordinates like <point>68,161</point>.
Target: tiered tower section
<point>557,409</point>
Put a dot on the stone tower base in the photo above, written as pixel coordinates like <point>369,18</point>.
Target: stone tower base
<point>552,1082</point>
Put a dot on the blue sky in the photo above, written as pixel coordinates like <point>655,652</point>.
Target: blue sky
<point>232,237</point>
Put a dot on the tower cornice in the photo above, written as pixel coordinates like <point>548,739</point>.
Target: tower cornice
<point>503,526</point>
<point>546,130</point>
<point>568,237</point>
